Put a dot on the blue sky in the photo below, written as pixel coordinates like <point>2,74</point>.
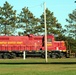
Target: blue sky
<point>61,8</point>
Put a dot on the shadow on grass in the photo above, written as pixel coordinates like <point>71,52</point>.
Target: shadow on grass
<point>16,63</point>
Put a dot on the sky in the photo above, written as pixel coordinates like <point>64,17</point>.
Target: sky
<point>60,8</point>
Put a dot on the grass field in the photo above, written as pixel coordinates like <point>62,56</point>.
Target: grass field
<point>37,66</point>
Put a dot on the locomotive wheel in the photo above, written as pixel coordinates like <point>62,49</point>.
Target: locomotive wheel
<point>1,55</point>
<point>8,55</point>
<point>43,56</point>
<point>48,55</point>
<point>63,55</point>
<point>13,55</point>
<point>5,55</point>
<point>53,56</point>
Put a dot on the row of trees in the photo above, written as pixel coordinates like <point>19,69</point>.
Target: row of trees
<point>26,23</point>
<point>10,21</point>
<point>71,30</point>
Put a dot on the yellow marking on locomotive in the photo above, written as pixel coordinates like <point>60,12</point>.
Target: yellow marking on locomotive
<point>3,43</point>
<point>12,42</point>
<point>49,44</point>
<point>30,51</point>
<point>10,51</point>
<point>64,50</point>
<point>21,51</point>
<point>63,44</point>
<point>37,51</point>
<point>19,42</point>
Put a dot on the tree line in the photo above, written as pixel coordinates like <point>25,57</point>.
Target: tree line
<point>26,23</point>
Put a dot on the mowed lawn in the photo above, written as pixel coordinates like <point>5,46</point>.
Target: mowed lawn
<point>37,66</point>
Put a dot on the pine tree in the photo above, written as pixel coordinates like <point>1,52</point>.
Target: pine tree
<point>53,27</point>
<point>71,31</point>
<point>71,27</point>
<point>7,19</point>
<point>28,21</point>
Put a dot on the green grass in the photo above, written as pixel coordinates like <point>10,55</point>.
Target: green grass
<point>38,60</point>
<point>37,69</point>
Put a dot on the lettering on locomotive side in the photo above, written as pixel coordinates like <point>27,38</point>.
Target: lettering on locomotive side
<point>3,43</point>
<point>12,42</point>
<point>19,42</point>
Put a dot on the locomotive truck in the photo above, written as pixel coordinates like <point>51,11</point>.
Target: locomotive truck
<point>14,46</point>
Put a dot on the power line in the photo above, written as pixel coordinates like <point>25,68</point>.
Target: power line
<point>36,6</point>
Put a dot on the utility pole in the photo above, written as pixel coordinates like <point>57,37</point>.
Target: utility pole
<point>45,31</point>
<point>24,55</point>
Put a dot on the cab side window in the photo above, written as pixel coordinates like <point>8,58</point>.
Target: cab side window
<point>49,40</point>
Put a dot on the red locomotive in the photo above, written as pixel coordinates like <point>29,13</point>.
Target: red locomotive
<point>13,46</point>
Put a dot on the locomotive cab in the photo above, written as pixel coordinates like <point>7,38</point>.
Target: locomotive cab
<point>56,49</point>
<point>50,40</point>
